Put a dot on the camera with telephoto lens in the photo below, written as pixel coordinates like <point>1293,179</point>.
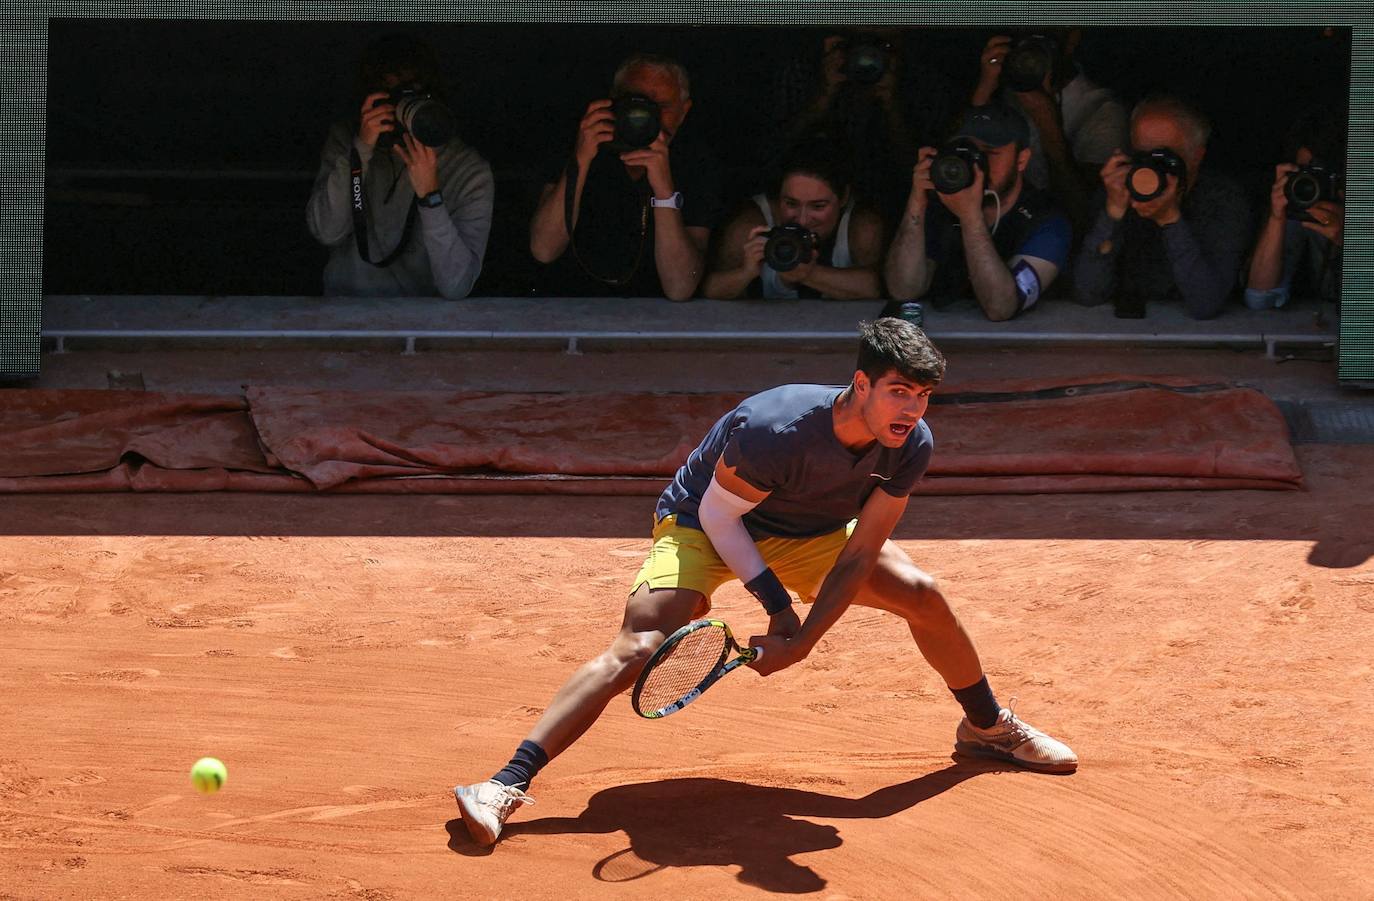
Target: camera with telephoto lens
<point>1308,186</point>
<point>1146,179</point>
<point>953,166</point>
<point>866,60</point>
<point>637,123</point>
<point>419,112</point>
<point>1028,62</point>
<point>789,246</point>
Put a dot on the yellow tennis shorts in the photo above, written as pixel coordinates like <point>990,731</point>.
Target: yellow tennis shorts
<point>682,557</point>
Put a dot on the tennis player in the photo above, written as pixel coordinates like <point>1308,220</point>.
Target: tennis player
<point>798,488</point>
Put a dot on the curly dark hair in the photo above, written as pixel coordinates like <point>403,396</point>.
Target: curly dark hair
<point>895,345</point>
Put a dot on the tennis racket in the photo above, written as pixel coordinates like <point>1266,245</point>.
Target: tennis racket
<point>691,660</point>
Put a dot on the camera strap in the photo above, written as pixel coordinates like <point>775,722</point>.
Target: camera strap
<point>569,200</point>
<point>360,215</point>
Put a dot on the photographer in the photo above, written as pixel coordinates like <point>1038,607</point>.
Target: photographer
<point>1166,231</point>
<point>401,217</point>
<point>1304,231</point>
<point>990,234</point>
<point>877,91</point>
<point>625,216</point>
<point>1075,123</point>
<point>833,248</point>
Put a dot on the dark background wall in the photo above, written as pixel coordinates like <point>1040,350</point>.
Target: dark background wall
<point>181,153</point>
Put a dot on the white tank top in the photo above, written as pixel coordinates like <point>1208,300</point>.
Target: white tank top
<point>773,286</point>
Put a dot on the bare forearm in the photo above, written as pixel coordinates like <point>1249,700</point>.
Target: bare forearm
<point>857,283</point>
<point>908,269</point>
<point>677,256</point>
<point>1266,267</point>
<point>993,286</point>
<point>727,284</point>
<point>548,231</point>
<point>836,594</point>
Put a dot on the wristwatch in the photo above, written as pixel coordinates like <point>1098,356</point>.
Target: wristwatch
<point>672,203</point>
<point>432,199</point>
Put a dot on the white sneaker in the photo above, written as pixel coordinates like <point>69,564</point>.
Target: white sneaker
<point>1015,741</point>
<point>485,807</point>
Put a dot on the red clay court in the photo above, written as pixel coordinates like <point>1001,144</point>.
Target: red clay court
<point>351,658</point>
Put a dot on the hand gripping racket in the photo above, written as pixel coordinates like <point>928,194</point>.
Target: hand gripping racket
<point>691,660</point>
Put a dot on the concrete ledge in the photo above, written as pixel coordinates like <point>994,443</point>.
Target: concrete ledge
<point>577,322</point>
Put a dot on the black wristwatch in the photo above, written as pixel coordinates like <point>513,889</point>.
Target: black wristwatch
<point>431,200</point>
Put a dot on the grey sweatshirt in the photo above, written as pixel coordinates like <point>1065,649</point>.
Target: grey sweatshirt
<point>1196,260</point>
<point>444,256</point>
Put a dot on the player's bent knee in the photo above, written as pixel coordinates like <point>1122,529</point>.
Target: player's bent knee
<point>925,603</point>
<point>632,650</point>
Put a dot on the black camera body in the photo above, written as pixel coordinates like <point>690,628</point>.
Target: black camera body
<point>638,120</point>
<point>1310,185</point>
<point>1030,60</point>
<point>1146,179</point>
<point>866,60</point>
<point>954,164</point>
<point>789,246</point>
<point>421,113</point>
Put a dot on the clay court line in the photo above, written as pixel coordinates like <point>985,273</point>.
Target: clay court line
<point>192,837</point>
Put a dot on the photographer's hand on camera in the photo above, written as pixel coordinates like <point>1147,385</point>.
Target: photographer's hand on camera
<point>1113,176</point>
<point>1278,198</point>
<point>377,115</point>
<point>990,68</point>
<point>596,128</point>
<point>921,184</point>
<point>422,164</point>
<point>1330,221</point>
<point>654,161</point>
<point>751,263</point>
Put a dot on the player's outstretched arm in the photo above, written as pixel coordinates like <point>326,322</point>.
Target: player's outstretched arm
<point>879,516</point>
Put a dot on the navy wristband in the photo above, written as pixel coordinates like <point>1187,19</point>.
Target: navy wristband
<point>768,589</point>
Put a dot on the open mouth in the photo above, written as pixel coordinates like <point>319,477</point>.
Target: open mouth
<point>901,429</point>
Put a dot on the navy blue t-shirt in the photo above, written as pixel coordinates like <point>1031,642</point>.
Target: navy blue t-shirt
<point>783,441</point>
<point>1033,227</point>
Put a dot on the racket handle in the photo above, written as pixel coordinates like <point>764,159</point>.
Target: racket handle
<point>758,653</point>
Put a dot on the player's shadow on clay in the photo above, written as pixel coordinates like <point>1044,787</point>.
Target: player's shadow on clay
<point>699,822</point>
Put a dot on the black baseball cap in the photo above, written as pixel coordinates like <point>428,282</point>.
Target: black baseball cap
<point>995,124</point>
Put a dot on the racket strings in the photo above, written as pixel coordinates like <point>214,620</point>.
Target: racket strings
<point>682,668</point>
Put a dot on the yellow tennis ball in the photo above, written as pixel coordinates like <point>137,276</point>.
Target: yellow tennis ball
<point>209,775</point>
